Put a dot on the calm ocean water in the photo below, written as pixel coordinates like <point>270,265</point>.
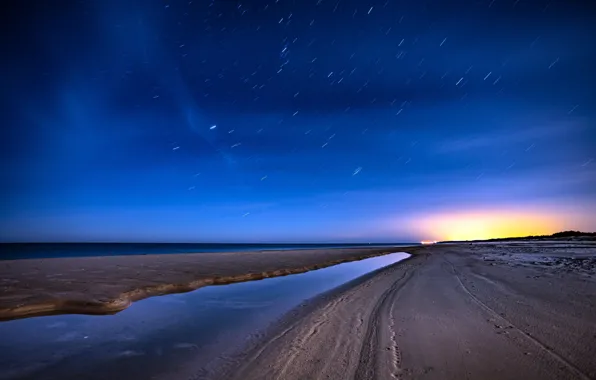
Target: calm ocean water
<point>13,251</point>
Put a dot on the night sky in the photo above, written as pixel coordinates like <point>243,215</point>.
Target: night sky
<point>296,120</point>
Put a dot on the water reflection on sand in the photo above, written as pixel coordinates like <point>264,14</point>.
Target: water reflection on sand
<point>160,335</point>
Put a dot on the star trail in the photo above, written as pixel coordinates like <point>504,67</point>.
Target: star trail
<point>296,121</point>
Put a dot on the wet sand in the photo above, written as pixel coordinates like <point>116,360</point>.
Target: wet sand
<point>482,311</point>
<point>109,284</point>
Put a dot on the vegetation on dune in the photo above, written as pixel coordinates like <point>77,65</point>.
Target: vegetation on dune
<point>563,235</point>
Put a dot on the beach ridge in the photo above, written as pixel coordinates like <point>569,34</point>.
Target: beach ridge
<point>97,302</point>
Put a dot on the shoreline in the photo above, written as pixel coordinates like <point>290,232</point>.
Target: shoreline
<point>287,330</point>
<point>488,311</point>
<point>256,344</point>
<point>56,250</point>
<point>94,286</point>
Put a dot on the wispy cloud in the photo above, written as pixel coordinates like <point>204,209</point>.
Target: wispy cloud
<point>509,136</point>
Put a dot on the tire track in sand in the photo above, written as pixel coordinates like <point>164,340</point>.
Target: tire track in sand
<point>395,351</point>
<point>348,336</point>
<point>378,327</point>
<point>570,366</point>
<point>296,345</point>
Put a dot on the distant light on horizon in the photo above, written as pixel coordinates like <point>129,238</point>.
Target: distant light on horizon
<point>488,225</point>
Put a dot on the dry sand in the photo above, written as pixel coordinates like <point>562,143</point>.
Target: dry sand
<point>109,284</point>
<point>483,311</point>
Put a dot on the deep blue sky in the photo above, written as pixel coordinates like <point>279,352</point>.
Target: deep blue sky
<point>310,120</point>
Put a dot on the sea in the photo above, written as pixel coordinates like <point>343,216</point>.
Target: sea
<point>16,251</point>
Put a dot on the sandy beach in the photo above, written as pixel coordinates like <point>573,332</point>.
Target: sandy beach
<point>519,310</point>
<point>482,311</point>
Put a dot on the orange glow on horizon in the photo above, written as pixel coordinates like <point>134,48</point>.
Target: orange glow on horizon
<point>486,225</point>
